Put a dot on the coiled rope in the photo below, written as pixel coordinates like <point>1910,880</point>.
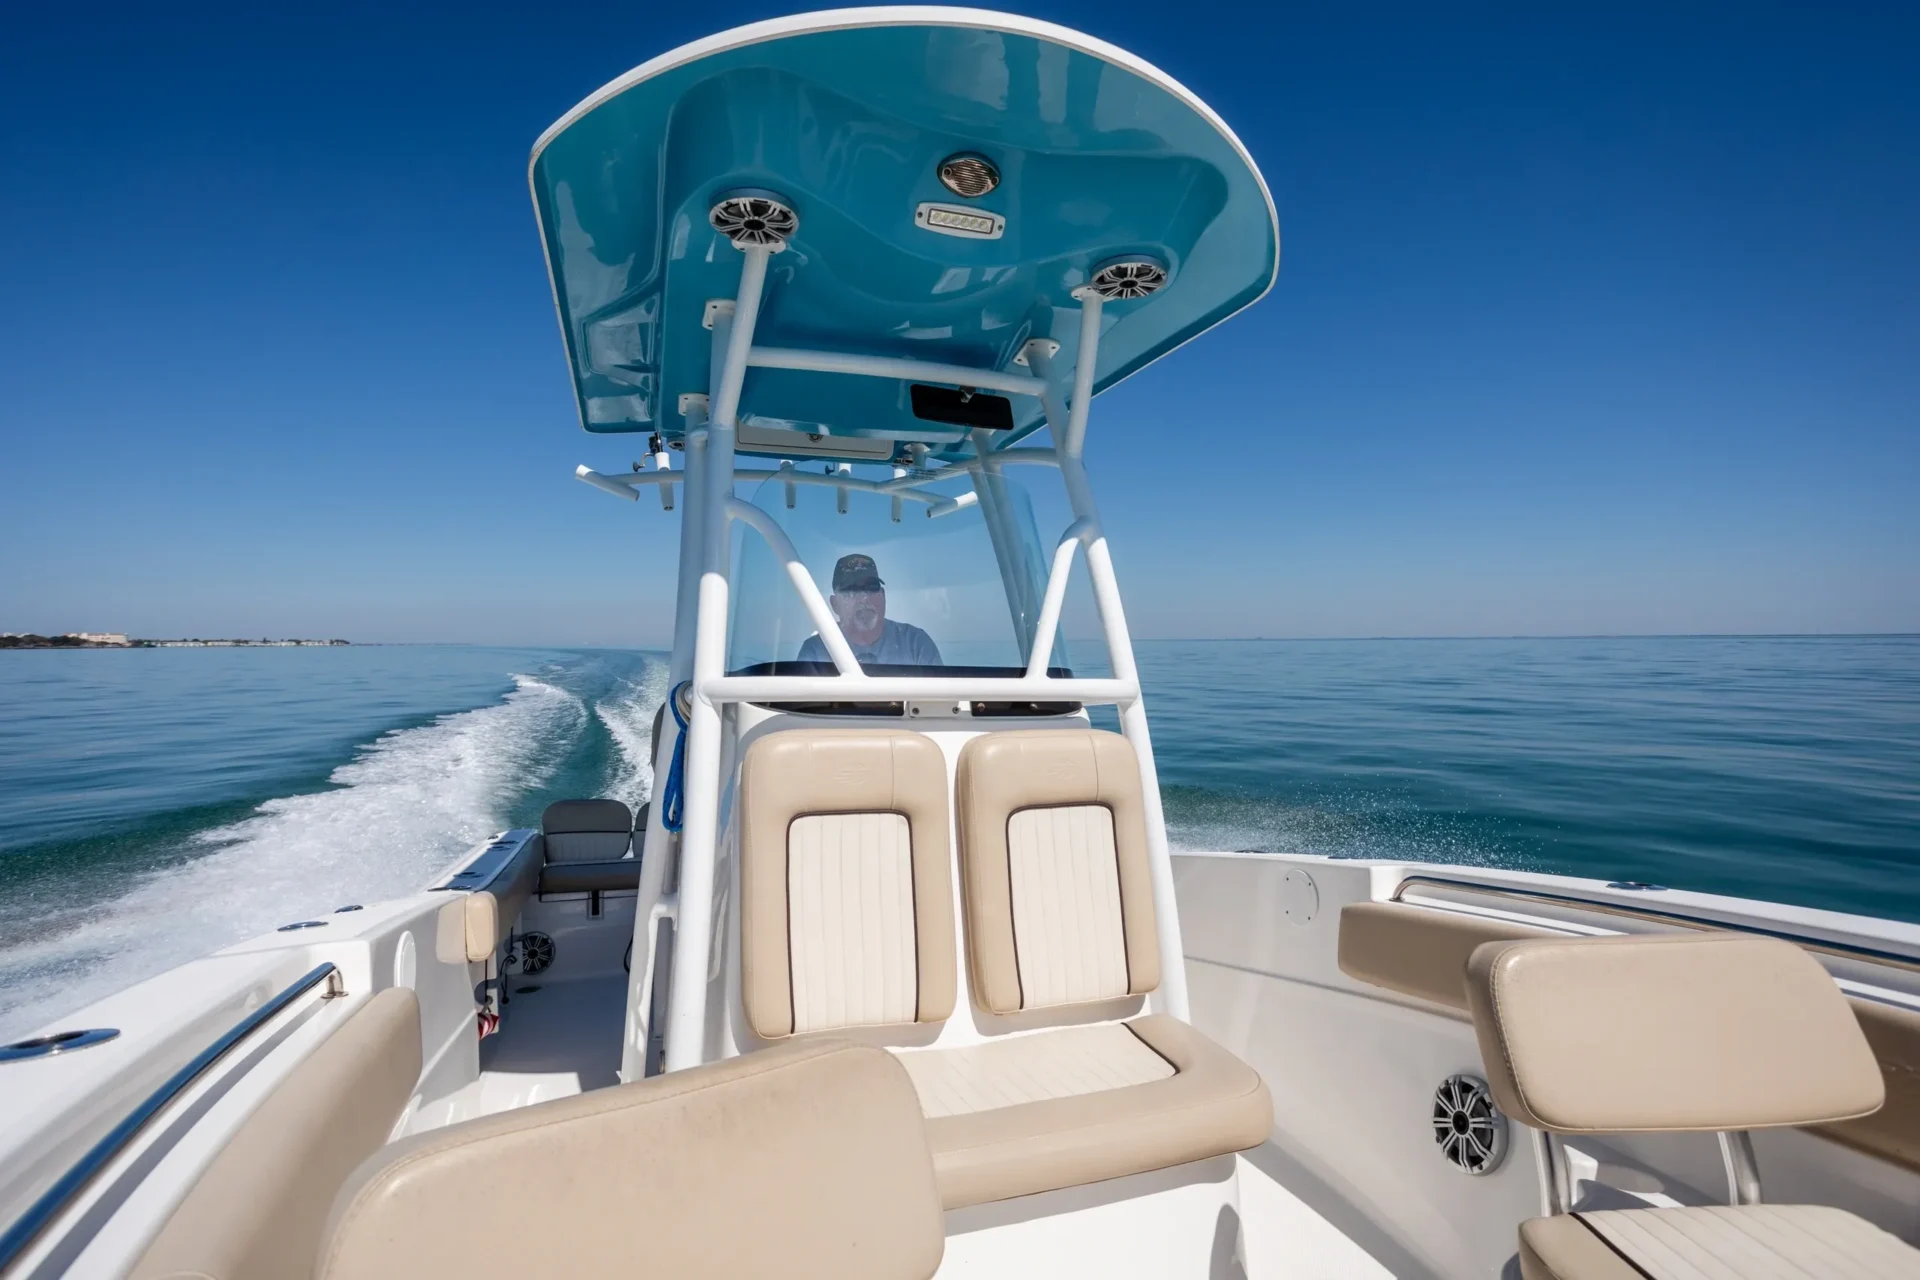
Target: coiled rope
<point>673,798</point>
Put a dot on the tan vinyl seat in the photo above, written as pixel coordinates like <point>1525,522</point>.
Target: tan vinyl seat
<point>806,1159</point>
<point>1707,1032</point>
<point>260,1208</point>
<point>1060,912</point>
<point>846,905</point>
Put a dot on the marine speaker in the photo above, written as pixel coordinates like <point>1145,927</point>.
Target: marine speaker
<point>750,218</point>
<point>1125,278</point>
<point>534,951</point>
<point>1471,1132</point>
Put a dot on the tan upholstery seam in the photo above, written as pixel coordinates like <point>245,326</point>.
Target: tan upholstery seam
<point>1013,917</point>
<point>1155,1052</point>
<point>432,1149</point>
<point>1601,1236</point>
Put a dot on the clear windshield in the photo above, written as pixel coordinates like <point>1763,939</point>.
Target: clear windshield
<point>918,594</point>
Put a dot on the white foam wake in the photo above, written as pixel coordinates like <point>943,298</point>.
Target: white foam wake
<point>629,721</point>
<point>399,812</point>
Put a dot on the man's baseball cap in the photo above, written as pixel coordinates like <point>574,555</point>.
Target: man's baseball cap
<point>856,573</point>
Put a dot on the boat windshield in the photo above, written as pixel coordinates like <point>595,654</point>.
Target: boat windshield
<point>916,595</point>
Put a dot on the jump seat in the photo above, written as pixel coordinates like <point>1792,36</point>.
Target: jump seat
<point>1707,1032</point>
<point>260,1209</point>
<point>847,920</point>
<point>589,847</point>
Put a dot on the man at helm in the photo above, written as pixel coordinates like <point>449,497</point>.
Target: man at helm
<point>859,604</point>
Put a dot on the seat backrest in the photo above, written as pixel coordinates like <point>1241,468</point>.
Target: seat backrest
<point>846,904</point>
<point>1671,1032</point>
<point>260,1208</point>
<point>806,1159</point>
<point>1054,871</point>
<point>586,830</point>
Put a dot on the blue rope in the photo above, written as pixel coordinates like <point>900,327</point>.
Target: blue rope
<point>673,799</point>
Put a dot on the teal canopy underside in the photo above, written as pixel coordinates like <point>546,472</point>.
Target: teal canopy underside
<point>848,126</point>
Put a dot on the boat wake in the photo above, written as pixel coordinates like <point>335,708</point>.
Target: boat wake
<point>397,814</point>
<point>628,718</point>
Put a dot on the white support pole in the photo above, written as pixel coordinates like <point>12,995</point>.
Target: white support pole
<point>606,484</point>
<point>659,894</point>
<point>786,475</point>
<point>1113,619</point>
<point>787,488</point>
<point>686,605</point>
<point>700,823</point>
<point>899,473</point>
<point>823,620</point>
<point>917,688</point>
<point>1049,625</point>
<point>840,491</point>
<point>990,490</point>
<point>1084,361</point>
<point>947,506</point>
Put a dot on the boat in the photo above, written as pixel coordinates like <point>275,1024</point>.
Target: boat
<point>897,974</point>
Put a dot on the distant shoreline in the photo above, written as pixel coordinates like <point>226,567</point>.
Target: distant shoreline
<point>91,641</point>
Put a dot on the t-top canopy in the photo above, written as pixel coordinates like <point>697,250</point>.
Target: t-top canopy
<point>942,181</point>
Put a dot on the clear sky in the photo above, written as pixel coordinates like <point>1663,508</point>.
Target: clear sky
<point>1590,319</point>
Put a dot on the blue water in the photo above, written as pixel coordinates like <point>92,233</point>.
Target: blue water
<point>156,804</point>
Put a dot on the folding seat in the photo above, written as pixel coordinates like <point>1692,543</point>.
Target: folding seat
<point>588,845</point>
<point>1715,1032</point>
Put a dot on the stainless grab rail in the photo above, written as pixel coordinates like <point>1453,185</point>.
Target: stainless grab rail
<point>28,1226</point>
<point>1605,906</point>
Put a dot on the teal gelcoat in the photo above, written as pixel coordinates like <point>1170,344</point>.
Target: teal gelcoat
<point>848,124</point>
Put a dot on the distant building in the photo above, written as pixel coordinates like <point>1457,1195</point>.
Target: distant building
<point>99,637</point>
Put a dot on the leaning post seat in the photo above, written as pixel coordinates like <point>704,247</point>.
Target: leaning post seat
<point>1697,1032</point>
<point>1060,912</point>
<point>846,904</point>
<point>587,844</point>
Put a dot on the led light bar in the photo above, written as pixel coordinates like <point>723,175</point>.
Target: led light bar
<point>968,224</point>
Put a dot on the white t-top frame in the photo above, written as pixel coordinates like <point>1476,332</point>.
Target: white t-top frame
<point>701,623</point>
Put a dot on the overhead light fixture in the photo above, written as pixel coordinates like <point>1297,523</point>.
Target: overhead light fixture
<point>969,224</point>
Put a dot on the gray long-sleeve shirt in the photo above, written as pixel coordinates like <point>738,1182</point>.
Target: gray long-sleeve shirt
<point>900,643</point>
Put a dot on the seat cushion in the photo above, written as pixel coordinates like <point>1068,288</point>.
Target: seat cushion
<point>1060,1108</point>
<point>846,903</point>
<point>1054,869</point>
<point>586,830</point>
<point>1697,1031</point>
<point>586,877</point>
<point>1746,1242</point>
<point>807,1159</point>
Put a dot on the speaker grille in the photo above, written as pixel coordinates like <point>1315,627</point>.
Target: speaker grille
<point>1128,278</point>
<point>750,220</point>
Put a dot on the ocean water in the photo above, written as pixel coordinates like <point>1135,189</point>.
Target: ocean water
<point>157,804</point>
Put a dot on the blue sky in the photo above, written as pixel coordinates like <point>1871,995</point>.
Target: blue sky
<point>1599,320</point>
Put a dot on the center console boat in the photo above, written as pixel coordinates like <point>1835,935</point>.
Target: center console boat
<point>897,974</point>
